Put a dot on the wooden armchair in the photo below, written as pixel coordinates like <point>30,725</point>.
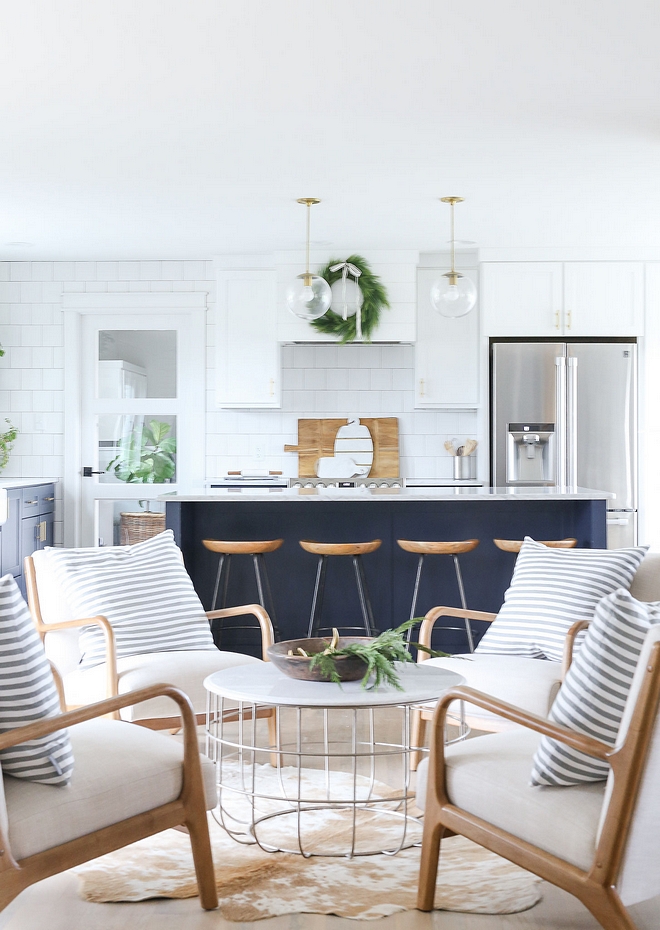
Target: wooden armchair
<point>127,783</point>
<point>530,684</point>
<point>599,841</point>
<point>59,628</point>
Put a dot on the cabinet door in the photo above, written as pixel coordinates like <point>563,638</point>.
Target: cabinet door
<point>603,298</point>
<point>521,298</point>
<point>12,562</point>
<point>446,351</point>
<point>29,530</point>
<point>247,351</point>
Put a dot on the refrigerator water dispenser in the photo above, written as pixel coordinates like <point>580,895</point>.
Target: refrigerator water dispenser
<point>530,453</point>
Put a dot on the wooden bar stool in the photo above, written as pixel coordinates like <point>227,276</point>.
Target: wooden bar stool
<point>355,551</point>
<point>454,549</point>
<point>228,548</point>
<point>514,545</point>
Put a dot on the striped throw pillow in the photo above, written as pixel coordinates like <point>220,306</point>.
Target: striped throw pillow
<point>592,698</point>
<point>143,590</point>
<point>27,694</point>
<point>550,590</point>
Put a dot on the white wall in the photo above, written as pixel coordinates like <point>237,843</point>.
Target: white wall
<point>318,380</point>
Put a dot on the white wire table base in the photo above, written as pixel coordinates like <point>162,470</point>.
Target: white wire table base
<point>335,782</point>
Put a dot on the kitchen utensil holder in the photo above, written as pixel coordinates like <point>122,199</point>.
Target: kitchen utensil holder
<point>463,467</point>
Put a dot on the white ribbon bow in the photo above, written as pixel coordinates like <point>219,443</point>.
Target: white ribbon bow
<point>346,269</point>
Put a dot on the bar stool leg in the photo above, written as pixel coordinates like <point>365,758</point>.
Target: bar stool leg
<point>261,574</point>
<point>317,598</point>
<point>365,603</point>
<point>461,591</point>
<point>218,578</point>
<point>413,605</point>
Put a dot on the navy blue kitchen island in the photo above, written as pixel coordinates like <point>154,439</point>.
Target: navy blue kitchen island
<point>359,515</point>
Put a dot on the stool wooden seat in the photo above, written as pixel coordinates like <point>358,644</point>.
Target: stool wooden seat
<point>355,551</point>
<point>422,548</point>
<point>231,547</point>
<point>226,548</point>
<point>514,545</point>
<point>340,548</point>
<point>439,548</point>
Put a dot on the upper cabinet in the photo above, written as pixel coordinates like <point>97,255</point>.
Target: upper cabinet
<point>446,351</point>
<point>247,350</point>
<point>562,298</point>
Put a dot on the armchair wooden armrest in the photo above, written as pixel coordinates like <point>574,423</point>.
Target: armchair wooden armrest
<point>267,635</point>
<point>435,613</point>
<point>579,741</point>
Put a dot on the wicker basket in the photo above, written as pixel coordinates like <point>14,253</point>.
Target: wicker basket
<point>136,527</point>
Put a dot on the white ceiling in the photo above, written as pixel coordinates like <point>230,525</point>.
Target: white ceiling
<point>187,128</point>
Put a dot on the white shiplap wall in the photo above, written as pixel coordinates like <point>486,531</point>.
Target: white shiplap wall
<point>324,380</point>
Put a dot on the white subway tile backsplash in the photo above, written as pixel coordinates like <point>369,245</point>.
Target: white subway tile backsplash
<point>317,380</point>
<point>359,379</point>
<point>31,379</point>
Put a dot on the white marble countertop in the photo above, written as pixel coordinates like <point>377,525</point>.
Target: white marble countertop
<point>388,494</point>
<point>10,483</point>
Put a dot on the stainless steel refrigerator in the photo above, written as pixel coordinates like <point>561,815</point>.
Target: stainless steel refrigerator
<point>565,414</point>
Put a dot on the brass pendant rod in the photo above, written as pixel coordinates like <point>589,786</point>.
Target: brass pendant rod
<point>309,214</point>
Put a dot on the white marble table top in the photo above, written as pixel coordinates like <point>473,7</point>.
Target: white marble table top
<point>265,684</point>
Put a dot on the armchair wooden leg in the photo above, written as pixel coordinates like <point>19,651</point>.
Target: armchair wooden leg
<point>428,867</point>
<point>200,842</point>
<point>608,910</point>
<point>418,738</point>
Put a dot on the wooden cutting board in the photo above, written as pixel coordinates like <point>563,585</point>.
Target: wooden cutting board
<point>316,438</point>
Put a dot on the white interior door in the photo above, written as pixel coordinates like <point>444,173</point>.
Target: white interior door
<point>141,396</point>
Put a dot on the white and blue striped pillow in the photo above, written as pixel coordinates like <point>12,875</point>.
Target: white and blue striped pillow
<point>27,694</point>
<point>592,697</point>
<point>143,590</point>
<point>550,590</point>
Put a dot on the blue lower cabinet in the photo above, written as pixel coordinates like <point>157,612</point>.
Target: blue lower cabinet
<point>29,527</point>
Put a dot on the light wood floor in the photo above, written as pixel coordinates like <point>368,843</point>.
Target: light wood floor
<point>54,905</point>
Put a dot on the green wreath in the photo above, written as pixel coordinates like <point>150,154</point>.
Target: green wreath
<point>374,298</point>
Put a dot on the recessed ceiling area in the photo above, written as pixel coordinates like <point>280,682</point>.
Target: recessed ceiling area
<point>187,128</point>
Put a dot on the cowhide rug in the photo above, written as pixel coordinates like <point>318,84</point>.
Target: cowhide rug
<point>253,884</point>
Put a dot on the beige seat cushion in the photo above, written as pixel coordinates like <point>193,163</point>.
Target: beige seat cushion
<point>528,683</point>
<point>489,777</point>
<point>186,669</point>
<point>120,770</point>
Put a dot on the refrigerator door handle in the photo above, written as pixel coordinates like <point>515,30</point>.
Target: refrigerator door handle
<point>560,421</point>
<point>571,423</point>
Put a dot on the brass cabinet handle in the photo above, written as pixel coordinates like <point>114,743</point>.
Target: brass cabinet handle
<point>49,498</point>
<point>421,387</point>
<point>556,319</point>
<point>569,319</point>
<point>272,387</point>
<point>40,531</point>
<point>29,503</point>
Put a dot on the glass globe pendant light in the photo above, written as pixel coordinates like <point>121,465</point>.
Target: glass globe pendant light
<point>453,294</point>
<point>308,296</point>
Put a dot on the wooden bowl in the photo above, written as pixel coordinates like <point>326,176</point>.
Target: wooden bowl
<point>349,668</point>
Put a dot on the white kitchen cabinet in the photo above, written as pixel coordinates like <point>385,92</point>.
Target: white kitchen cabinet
<point>247,349</point>
<point>522,298</point>
<point>562,298</point>
<point>446,351</point>
<point>603,298</point>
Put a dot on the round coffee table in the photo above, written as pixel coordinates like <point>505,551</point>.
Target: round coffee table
<point>334,777</point>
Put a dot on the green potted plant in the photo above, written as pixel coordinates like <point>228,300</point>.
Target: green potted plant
<point>145,456</point>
